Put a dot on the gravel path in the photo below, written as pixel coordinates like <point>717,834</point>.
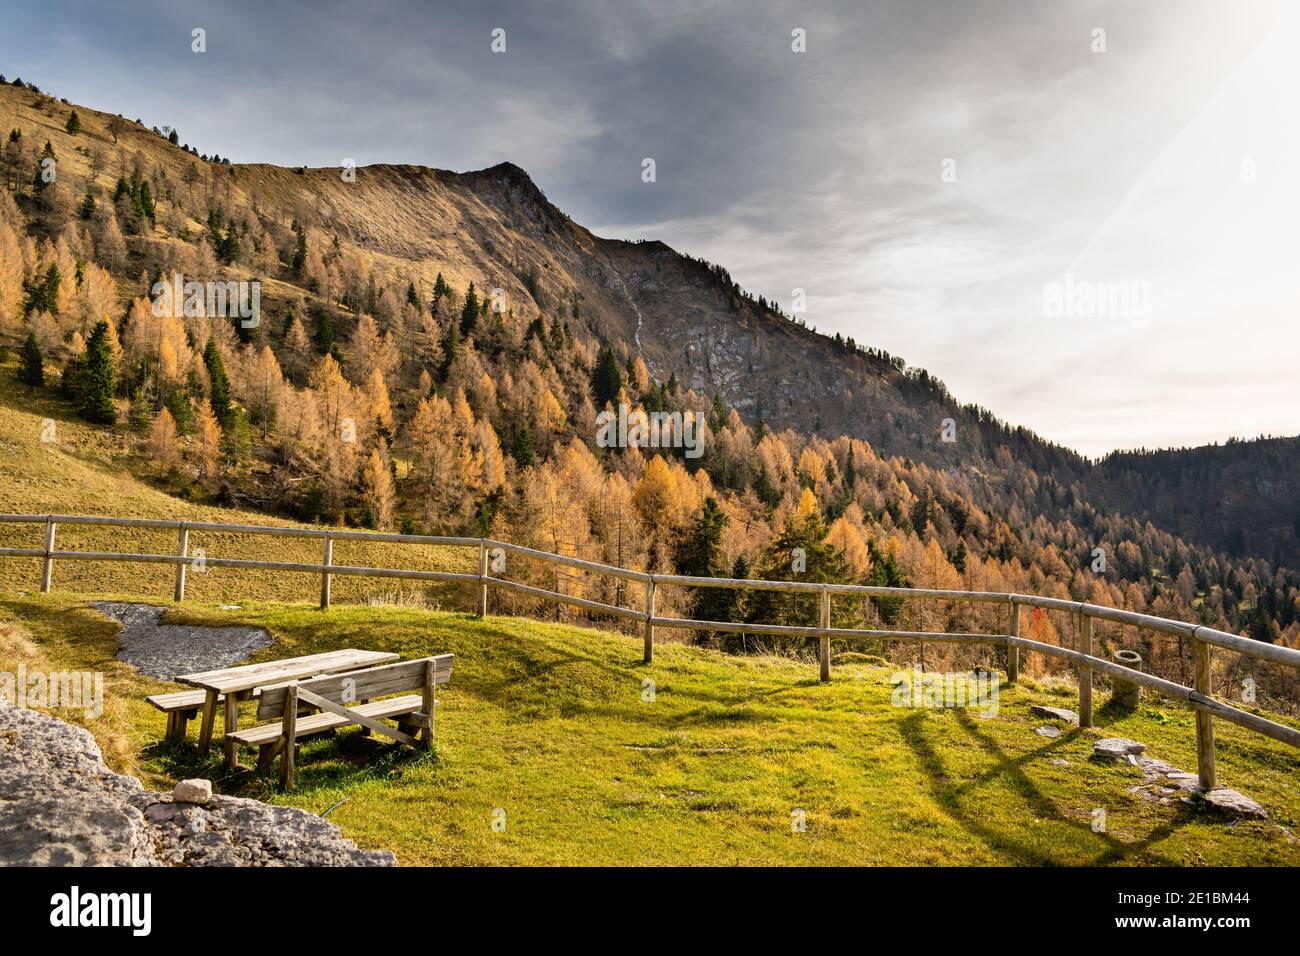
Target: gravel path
<point>165,650</point>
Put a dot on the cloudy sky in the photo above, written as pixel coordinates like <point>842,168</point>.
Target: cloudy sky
<point>962,183</point>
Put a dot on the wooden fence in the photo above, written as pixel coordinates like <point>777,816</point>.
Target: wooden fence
<point>1204,639</point>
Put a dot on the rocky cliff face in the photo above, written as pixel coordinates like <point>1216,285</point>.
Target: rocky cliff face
<point>60,805</point>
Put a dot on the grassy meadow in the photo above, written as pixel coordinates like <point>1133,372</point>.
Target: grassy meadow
<point>587,755</point>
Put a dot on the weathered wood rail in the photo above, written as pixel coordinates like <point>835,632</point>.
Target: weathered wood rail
<point>1204,639</point>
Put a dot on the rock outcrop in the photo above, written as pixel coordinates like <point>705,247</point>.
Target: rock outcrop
<point>60,805</point>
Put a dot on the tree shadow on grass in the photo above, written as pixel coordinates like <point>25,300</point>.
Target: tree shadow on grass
<point>1011,770</point>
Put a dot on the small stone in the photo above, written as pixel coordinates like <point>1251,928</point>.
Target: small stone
<point>1056,713</point>
<point>1116,748</point>
<point>1186,781</point>
<point>1153,766</point>
<point>1234,802</point>
<point>1048,732</point>
<point>193,791</point>
<point>1060,763</point>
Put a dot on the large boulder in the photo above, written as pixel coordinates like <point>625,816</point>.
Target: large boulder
<point>60,805</point>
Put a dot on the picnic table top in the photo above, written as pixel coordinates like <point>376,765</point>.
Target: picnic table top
<point>247,676</point>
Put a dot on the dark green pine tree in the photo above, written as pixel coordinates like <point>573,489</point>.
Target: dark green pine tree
<point>451,349</point>
<point>219,392</point>
<point>717,419</point>
<point>87,207</point>
<point>148,209</point>
<point>178,403</point>
<point>95,379</point>
<point>469,313</point>
<point>229,249</point>
<point>73,126</point>
<point>732,604</point>
<point>300,251</point>
<point>1262,626</point>
<point>522,445</point>
<point>440,290</point>
<point>413,297</point>
<point>50,289</point>
<point>699,554</point>
<point>606,378</point>
<point>31,370</point>
<point>324,332</point>
<point>799,553</point>
<point>959,555</point>
<point>140,411</point>
<point>885,573</point>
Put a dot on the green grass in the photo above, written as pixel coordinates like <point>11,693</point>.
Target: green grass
<point>548,723</point>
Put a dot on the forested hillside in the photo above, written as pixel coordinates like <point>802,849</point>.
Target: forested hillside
<point>433,351</point>
<point>1242,497</point>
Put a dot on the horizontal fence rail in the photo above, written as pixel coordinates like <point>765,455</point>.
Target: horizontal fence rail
<point>1203,638</point>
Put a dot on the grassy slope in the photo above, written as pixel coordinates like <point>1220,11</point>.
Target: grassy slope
<point>87,471</point>
<point>548,723</point>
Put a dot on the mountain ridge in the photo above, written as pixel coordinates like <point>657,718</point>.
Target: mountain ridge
<point>686,318</point>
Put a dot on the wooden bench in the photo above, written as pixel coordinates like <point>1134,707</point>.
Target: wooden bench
<point>180,707</point>
<point>344,700</point>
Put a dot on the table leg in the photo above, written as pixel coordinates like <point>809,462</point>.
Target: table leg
<point>209,715</point>
<point>232,724</point>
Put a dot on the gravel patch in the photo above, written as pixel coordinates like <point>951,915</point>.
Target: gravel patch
<point>166,650</point>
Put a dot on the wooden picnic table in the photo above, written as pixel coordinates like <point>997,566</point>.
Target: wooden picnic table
<point>237,682</point>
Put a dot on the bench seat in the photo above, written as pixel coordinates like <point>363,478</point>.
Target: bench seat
<point>180,700</point>
<point>319,723</point>
<point>180,706</point>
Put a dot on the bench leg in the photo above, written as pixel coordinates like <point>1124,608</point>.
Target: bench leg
<point>183,717</point>
<point>289,736</point>
<point>267,753</point>
<point>287,754</point>
<point>209,715</point>
<point>171,727</point>
<point>232,724</point>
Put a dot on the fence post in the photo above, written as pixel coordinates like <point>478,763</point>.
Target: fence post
<point>649,620</point>
<point>824,643</point>
<point>1085,673</point>
<point>1204,721</point>
<point>482,577</point>
<point>47,571</point>
<point>183,552</point>
<point>326,561</point>
<point>1013,652</point>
